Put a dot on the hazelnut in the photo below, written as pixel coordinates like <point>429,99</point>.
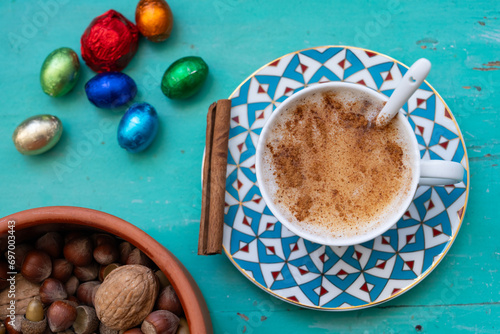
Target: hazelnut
<point>51,243</point>
<point>103,329</point>
<point>138,257</point>
<point>125,250</point>
<point>72,235</point>
<point>4,269</point>
<point>102,238</point>
<point>52,290</point>
<point>2,328</point>
<point>37,266</point>
<point>61,269</point>
<point>14,327</point>
<point>34,321</point>
<point>79,251</point>
<point>183,327</point>
<point>60,316</point>
<point>21,251</point>
<point>162,279</point>
<point>86,292</point>
<point>168,300</point>
<point>71,285</point>
<point>133,331</point>
<point>126,296</point>
<point>87,273</point>
<point>86,321</point>
<point>105,270</point>
<point>73,300</point>
<point>106,254</point>
<point>160,322</point>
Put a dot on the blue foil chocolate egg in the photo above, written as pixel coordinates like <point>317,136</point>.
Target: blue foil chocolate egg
<point>110,90</point>
<point>138,127</point>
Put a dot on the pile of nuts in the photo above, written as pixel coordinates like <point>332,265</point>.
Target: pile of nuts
<point>87,283</point>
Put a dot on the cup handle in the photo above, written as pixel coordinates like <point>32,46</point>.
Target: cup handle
<point>440,173</point>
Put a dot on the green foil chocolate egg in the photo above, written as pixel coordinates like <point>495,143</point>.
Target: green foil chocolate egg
<point>184,77</point>
<point>60,72</point>
<point>37,134</point>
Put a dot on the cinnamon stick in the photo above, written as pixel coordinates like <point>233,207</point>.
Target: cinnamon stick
<point>214,178</point>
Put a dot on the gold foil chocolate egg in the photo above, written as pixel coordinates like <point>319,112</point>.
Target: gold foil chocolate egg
<point>154,19</point>
<point>37,134</point>
<point>60,72</point>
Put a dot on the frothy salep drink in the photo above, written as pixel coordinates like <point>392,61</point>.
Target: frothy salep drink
<point>329,171</point>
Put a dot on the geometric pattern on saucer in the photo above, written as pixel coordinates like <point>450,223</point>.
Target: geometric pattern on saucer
<point>338,278</point>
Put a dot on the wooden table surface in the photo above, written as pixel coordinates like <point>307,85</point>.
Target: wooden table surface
<point>159,190</point>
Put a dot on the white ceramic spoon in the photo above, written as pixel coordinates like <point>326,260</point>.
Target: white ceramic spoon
<point>408,85</point>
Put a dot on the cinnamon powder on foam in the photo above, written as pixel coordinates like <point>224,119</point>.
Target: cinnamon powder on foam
<point>330,171</point>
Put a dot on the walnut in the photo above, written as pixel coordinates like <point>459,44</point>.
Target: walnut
<point>24,293</point>
<point>126,296</point>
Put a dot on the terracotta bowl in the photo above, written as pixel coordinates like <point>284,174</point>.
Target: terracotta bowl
<point>34,222</point>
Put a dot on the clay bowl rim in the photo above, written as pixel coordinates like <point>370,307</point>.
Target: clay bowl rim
<point>192,300</point>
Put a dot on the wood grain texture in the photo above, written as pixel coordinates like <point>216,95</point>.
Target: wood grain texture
<point>159,190</point>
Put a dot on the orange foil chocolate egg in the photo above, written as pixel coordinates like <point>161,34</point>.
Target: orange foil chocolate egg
<point>154,19</point>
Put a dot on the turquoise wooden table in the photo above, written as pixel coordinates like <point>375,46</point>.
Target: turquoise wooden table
<point>159,190</point>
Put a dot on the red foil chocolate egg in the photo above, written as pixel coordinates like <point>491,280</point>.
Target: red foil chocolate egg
<point>110,42</point>
<point>154,19</point>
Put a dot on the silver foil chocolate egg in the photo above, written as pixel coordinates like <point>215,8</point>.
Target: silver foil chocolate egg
<point>37,134</point>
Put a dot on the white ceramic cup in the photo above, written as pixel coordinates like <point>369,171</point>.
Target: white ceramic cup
<point>425,172</point>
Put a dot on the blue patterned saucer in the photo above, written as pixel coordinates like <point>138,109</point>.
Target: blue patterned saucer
<point>338,278</point>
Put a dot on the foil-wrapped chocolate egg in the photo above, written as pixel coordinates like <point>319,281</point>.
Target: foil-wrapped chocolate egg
<point>60,72</point>
<point>110,90</point>
<point>37,134</point>
<point>138,127</point>
<point>154,19</point>
<point>109,43</point>
<point>184,77</point>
